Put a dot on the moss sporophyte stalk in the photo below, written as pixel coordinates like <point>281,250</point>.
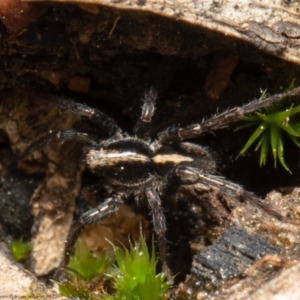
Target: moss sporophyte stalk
<point>272,124</point>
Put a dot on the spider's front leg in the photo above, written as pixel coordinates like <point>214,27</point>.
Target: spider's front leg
<point>99,118</point>
<point>109,206</point>
<point>159,224</point>
<point>143,125</point>
<point>175,134</point>
<point>63,136</point>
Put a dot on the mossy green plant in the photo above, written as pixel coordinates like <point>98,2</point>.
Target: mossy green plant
<point>20,249</point>
<point>82,269</point>
<point>85,265</point>
<point>135,275</point>
<point>132,277</point>
<point>272,124</point>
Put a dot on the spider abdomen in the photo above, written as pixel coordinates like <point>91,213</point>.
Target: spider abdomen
<point>126,162</point>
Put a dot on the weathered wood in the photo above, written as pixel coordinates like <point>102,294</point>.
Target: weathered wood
<point>271,25</point>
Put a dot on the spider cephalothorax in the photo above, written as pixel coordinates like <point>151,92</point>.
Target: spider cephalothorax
<point>136,165</point>
<point>131,162</point>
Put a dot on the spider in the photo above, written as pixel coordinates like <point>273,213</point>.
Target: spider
<point>138,166</point>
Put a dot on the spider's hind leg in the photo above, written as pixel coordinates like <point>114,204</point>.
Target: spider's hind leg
<point>143,125</point>
<point>190,175</point>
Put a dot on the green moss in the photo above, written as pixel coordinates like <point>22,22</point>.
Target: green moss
<point>133,277</point>
<point>85,265</point>
<point>82,269</point>
<point>272,124</point>
<point>20,249</point>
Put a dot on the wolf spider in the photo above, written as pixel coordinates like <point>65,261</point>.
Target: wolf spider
<point>135,165</point>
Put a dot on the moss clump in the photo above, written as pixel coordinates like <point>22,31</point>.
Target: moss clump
<point>20,249</point>
<point>133,277</point>
<point>272,124</point>
<point>86,273</point>
<point>84,265</point>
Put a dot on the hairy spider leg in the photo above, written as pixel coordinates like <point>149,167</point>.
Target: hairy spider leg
<point>61,135</point>
<point>96,116</point>
<point>175,134</point>
<point>109,206</point>
<point>143,126</point>
<point>159,225</point>
<point>190,175</point>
